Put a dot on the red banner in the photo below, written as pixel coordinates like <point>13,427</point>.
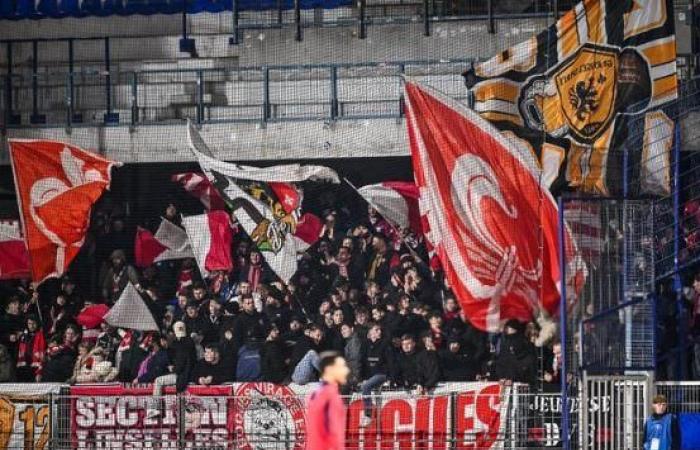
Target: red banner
<point>253,416</point>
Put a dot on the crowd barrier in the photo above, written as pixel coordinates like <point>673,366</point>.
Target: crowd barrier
<point>267,416</point>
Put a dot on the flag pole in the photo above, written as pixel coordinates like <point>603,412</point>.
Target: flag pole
<point>393,227</point>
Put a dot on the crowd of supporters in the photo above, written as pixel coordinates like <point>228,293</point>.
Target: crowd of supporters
<point>361,289</point>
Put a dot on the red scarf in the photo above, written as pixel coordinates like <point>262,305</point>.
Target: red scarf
<point>184,279</point>
<point>125,342</point>
<point>254,274</point>
<point>38,349</point>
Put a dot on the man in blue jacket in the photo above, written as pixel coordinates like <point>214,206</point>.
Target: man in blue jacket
<point>661,431</point>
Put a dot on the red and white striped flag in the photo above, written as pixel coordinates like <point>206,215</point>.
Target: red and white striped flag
<point>14,258</point>
<point>169,242</point>
<point>211,236</point>
<point>396,201</point>
<point>197,185</point>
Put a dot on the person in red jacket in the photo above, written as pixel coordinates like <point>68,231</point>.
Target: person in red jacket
<point>326,412</point>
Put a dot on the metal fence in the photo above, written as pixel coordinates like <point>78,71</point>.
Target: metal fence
<point>605,413</point>
<point>271,417</point>
<point>260,94</point>
<point>682,396</point>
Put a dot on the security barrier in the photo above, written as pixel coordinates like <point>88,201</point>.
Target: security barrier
<point>607,413</point>
<point>480,415</point>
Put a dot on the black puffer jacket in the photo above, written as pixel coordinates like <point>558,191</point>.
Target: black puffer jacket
<point>378,358</point>
<point>516,360</point>
<point>272,366</point>
<point>184,357</point>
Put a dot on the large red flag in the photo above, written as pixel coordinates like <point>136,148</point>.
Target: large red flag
<point>491,221</point>
<point>56,185</point>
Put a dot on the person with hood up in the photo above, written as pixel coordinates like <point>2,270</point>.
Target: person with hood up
<point>117,276</point>
<point>517,358</point>
<point>184,357</point>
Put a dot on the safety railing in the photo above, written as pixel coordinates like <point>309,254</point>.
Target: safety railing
<point>606,413</point>
<point>478,415</point>
<point>257,94</point>
<point>209,95</point>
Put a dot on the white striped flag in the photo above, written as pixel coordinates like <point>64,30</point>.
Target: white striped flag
<point>396,201</point>
<point>210,235</point>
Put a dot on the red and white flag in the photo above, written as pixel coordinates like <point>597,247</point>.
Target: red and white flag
<point>493,225</point>
<point>197,185</point>
<point>56,184</point>
<point>169,242</point>
<point>211,236</point>
<point>14,259</point>
<point>396,201</point>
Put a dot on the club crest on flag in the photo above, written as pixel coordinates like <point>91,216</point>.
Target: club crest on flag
<point>570,91</point>
<point>269,234</point>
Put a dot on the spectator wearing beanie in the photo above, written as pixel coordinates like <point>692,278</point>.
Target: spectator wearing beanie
<point>517,359</point>
<point>455,363</point>
<point>184,357</point>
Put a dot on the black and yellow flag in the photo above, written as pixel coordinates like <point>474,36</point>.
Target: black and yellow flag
<point>569,92</point>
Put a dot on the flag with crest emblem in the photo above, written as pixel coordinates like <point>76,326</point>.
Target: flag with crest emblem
<point>568,93</point>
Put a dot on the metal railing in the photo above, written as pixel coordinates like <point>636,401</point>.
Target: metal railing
<point>608,412</point>
<point>265,416</point>
<point>264,94</point>
<point>252,94</point>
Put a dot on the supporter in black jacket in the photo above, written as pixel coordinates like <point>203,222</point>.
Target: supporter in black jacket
<point>517,357</point>
<point>408,365</point>
<point>192,320</point>
<point>212,323</point>
<point>184,356</point>
<point>246,321</point>
<point>60,359</point>
<point>272,363</point>
<point>378,357</point>
<point>429,363</point>
<point>455,364</point>
<point>210,371</point>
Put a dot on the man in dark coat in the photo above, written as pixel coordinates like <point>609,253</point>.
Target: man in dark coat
<point>455,364</point>
<point>210,371</point>
<point>184,358</point>
<point>416,369</point>
<point>272,361</point>
<point>248,319</point>
<point>212,322</point>
<point>517,357</point>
